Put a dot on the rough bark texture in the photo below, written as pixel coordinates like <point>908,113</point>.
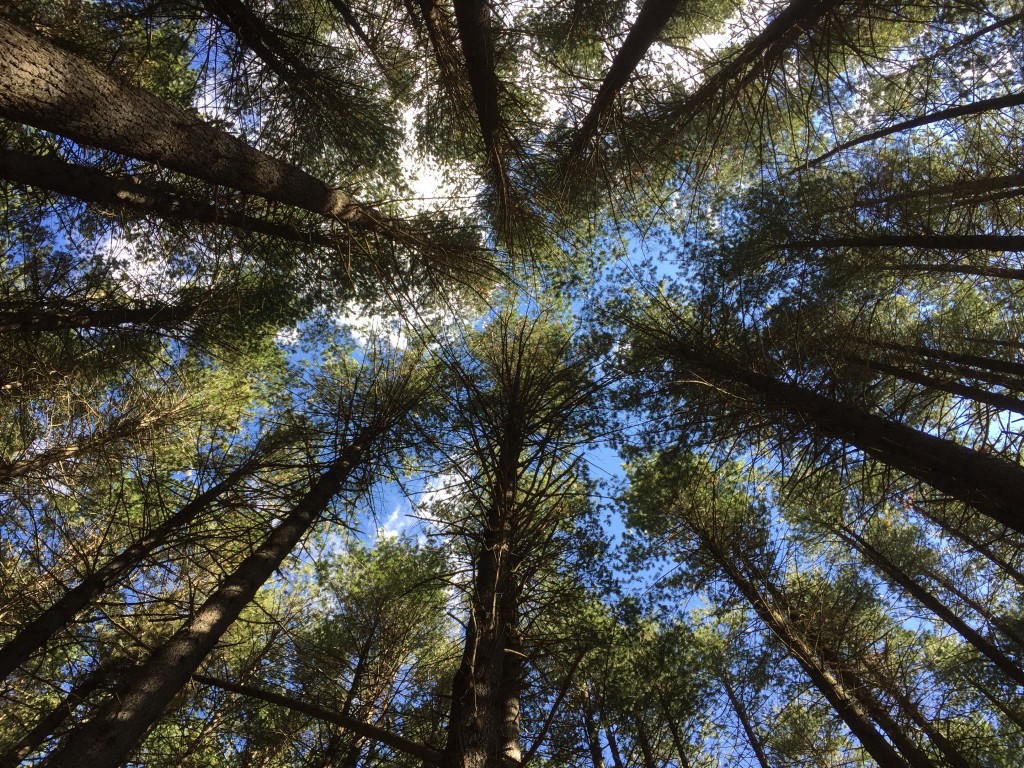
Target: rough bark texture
<point>126,193</point>
<point>44,86</point>
<point>37,633</point>
<point>108,739</point>
<point>991,485</point>
<point>483,730</point>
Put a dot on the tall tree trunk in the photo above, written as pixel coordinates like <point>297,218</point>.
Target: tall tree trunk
<point>990,484</point>
<point>952,754</point>
<point>34,636</point>
<point>52,721</point>
<point>123,426</point>
<point>44,86</point>
<point>962,110</point>
<point>483,726</point>
<point>748,727</point>
<point>646,748</point>
<point>831,685</point>
<point>613,743</point>
<point>650,21</point>
<point>761,52</point>
<point>593,734</point>
<point>978,395</point>
<point>981,547</point>
<point>677,737</point>
<point>995,365</point>
<point>945,194</point>
<point>968,270</point>
<point>107,739</point>
<point>43,317</point>
<point>92,185</point>
<point>970,635</point>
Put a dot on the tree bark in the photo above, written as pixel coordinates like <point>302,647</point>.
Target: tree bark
<point>91,185</point>
<point>989,484</point>
<point>44,86</point>
<point>762,51</point>
<point>483,726</point>
<point>34,636</point>
<point>593,734</point>
<point>653,16</point>
<point>963,110</point>
<point>107,739</point>
<point>677,737</point>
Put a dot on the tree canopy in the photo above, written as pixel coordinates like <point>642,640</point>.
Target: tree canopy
<point>447,383</point>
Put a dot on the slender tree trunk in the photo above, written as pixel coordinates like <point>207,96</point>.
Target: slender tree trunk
<point>977,606</point>
<point>646,749</point>
<point>748,727</point>
<point>613,743</point>
<point>761,52</point>
<point>52,721</point>
<point>970,635</point>
<point>593,734</point>
<point>995,365</point>
<point>981,547</point>
<point>372,732</point>
<point>990,484</point>
<point>91,185</point>
<point>34,636</point>
<point>107,739</point>
<point>963,110</point>
<point>969,270</point>
<point>831,685</point>
<point>982,242</point>
<point>945,194</point>
<point>44,86</point>
<point>995,399</point>
<point>953,756</point>
<point>120,427</point>
<point>677,737</point>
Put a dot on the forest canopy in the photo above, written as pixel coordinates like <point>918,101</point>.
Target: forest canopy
<point>450,383</point>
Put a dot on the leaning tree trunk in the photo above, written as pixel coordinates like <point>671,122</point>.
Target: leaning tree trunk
<point>830,684</point>
<point>990,484</point>
<point>117,193</point>
<point>46,87</point>
<point>973,637</point>
<point>37,633</point>
<point>107,739</point>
